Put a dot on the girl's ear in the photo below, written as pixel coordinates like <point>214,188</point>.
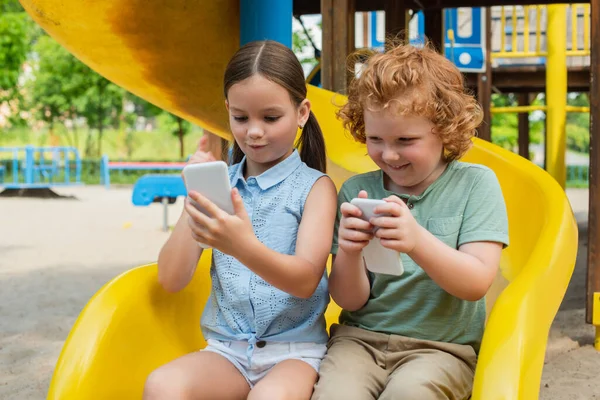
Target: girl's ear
<point>303,112</point>
<point>227,105</point>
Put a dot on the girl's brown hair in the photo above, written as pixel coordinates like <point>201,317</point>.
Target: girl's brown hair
<point>409,80</point>
<point>277,63</point>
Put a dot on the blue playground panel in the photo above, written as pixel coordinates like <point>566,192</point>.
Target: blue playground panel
<point>149,188</point>
<point>40,167</point>
<point>467,52</point>
<point>158,188</point>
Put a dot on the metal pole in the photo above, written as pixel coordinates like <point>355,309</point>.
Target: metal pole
<point>556,92</point>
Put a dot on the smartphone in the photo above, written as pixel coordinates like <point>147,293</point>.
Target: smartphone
<point>378,259</point>
<point>210,179</point>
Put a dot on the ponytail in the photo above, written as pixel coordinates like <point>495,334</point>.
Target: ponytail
<point>312,145</point>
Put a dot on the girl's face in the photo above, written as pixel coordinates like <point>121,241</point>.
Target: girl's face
<point>406,149</point>
<point>264,121</point>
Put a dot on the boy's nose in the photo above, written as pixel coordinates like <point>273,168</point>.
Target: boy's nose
<point>390,155</point>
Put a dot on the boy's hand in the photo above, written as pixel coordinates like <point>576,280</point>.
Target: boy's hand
<point>218,229</point>
<point>354,233</point>
<point>202,154</point>
<point>398,231</point>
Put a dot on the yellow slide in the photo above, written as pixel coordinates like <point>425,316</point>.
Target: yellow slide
<point>173,54</point>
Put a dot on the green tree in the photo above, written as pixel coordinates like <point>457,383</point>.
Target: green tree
<point>57,83</point>
<point>101,104</point>
<point>177,126</point>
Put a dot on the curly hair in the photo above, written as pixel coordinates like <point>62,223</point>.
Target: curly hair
<point>408,80</point>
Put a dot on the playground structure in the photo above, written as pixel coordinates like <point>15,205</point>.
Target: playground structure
<point>39,167</point>
<point>107,352</point>
<point>107,166</point>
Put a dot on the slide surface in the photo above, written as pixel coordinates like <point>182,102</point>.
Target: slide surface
<point>173,53</point>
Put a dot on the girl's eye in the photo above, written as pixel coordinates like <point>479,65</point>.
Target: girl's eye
<point>239,118</point>
<point>271,119</point>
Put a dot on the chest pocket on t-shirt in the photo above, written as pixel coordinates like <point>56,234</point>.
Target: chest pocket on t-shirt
<point>446,229</point>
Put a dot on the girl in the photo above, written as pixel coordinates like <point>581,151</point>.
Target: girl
<point>264,321</point>
<point>414,336</point>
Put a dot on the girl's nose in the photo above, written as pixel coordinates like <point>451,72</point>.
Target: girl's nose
<point>255,131</point>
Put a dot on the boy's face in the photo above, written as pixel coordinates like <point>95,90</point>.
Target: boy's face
<point>406,149</point>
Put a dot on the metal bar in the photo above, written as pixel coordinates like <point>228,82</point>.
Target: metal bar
<point>517,109</point>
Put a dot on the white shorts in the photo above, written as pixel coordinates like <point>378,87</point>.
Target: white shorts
<point>264,358</point>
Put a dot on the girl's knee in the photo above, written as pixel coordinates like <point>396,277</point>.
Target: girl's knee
<point>269,393</point>
<point>162,384</point>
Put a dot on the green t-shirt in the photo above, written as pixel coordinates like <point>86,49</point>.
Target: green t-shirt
<point>465,204</point>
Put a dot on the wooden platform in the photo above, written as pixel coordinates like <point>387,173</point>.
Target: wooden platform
<point>531,79</point>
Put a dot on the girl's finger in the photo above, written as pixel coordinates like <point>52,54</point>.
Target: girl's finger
<point>210,207</point>
<point>196,215</point>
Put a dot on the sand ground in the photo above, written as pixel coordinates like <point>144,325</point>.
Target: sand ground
<point>56,253</point>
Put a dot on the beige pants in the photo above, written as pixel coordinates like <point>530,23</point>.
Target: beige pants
<point>365,365</point>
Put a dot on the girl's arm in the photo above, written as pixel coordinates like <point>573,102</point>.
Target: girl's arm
<point>299,274</point>
<point>179,257</point>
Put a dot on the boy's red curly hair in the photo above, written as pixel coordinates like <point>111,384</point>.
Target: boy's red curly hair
<point>415,81</point>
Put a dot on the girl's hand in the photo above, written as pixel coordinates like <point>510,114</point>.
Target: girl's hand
<point>202,154</point>
<point>353,233</point>
<point>227,233</point>
<point>398,230</point>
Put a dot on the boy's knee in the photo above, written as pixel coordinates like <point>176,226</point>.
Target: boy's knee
<point>415,390</point>
<point>425,389</point>
<point>343,389</point>
<point>161,384</point>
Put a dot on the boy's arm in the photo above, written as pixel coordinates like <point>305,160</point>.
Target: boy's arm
<point>349,284</point>
<point>466,273</point>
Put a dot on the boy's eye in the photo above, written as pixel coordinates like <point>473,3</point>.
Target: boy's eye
<point>239,118</point>
<point>406,139</point>
<point>373,138</point>
<point>271,118</point>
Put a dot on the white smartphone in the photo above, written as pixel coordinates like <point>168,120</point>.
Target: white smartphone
<point>378,259</point>
<point>210,179</point>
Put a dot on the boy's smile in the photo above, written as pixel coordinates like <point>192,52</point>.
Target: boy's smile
<point>406,149</point>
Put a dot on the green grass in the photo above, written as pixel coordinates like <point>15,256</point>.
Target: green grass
<point>153,145</point>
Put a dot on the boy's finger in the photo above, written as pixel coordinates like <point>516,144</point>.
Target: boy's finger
<point>391,208</point>
<point>363,194</point>
<point>358,224</point>
<point>349,210</point>
<point>384,222</point>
